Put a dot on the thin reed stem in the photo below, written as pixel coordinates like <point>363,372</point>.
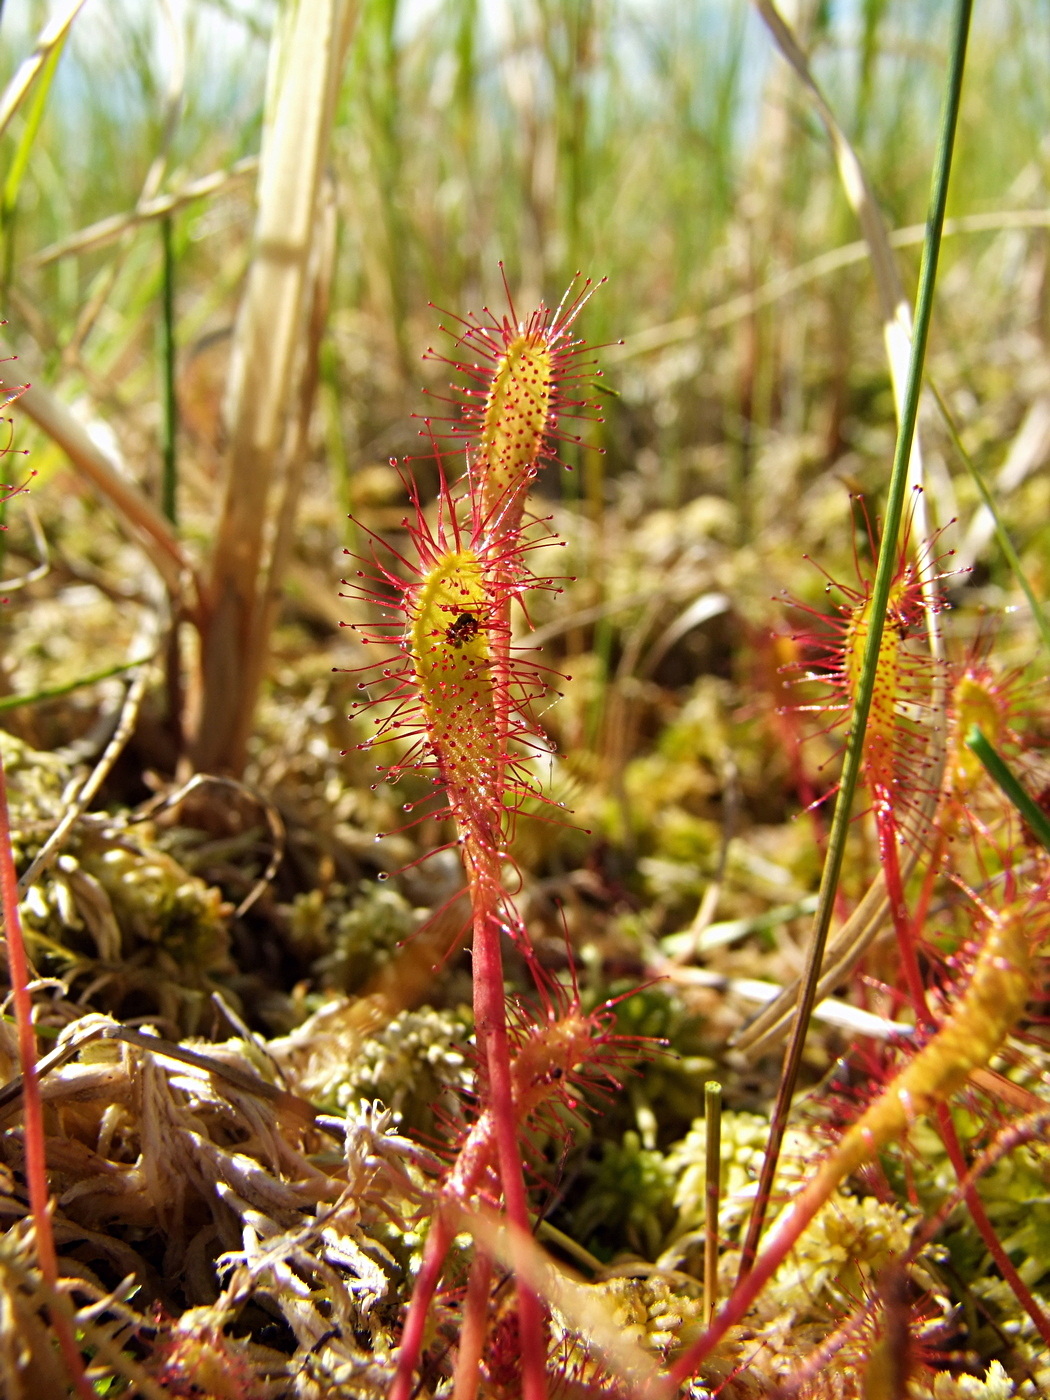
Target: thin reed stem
<point>169,404</point>
<point>712,1193</point>
<point>898,487</point>
<point>1001,774</point>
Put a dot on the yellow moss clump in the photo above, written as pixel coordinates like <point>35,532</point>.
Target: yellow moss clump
<point>996,1385</point>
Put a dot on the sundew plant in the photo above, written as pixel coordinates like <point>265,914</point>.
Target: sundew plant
<point>461,694</point>
<point>604,950</point>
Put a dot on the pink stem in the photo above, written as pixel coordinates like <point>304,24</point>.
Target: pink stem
<point>434,1255</point>
<point>886,826</point>
<point>789,1227</point>
<point>496,1093</point>
<point>490,1022</point>
<point>472,1329</point>
<point>783,1236</point>
<point>32,1107</point>
<point>987,1230</point>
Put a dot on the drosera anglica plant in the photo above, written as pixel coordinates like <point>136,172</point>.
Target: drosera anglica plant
<point>460,693</point>
<point>917,710</point>
<point>900,750</point>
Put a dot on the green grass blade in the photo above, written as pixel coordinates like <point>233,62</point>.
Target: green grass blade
<point>170,425</point>
<point>52,34</point>
<point>34,116</point>
<point>1003,776</point>
<point>20,161</point>
<point>51,692</point>
<point>880,594</point>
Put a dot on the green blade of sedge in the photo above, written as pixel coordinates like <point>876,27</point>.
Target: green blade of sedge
<point>166,357</point>
<point>1002,775</point>
<point>51,692</point>
<point>880,597</point>
<point>712,1193</point>
<point>20,161</point>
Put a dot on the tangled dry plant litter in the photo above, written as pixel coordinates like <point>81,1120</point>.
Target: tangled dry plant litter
<point>199,1191</point>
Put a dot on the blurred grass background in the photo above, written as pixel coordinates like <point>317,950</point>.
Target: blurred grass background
<point>664,145</point>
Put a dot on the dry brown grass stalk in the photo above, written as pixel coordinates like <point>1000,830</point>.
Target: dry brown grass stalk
<point>270,366</point>
<point>108,230</point>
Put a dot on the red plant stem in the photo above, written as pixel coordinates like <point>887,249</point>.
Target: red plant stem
<point>980,1021</point>
<point>497,1094</point>
<point>886,827</point>
<point>434,1254</point>
<point>976,1208</point>
<point>473,1161</point>
<point>490,1024</point>
<point>32,1107</point>
<point>852,1152</point>
<point>472,1328</point>
<point>782,1237</point>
